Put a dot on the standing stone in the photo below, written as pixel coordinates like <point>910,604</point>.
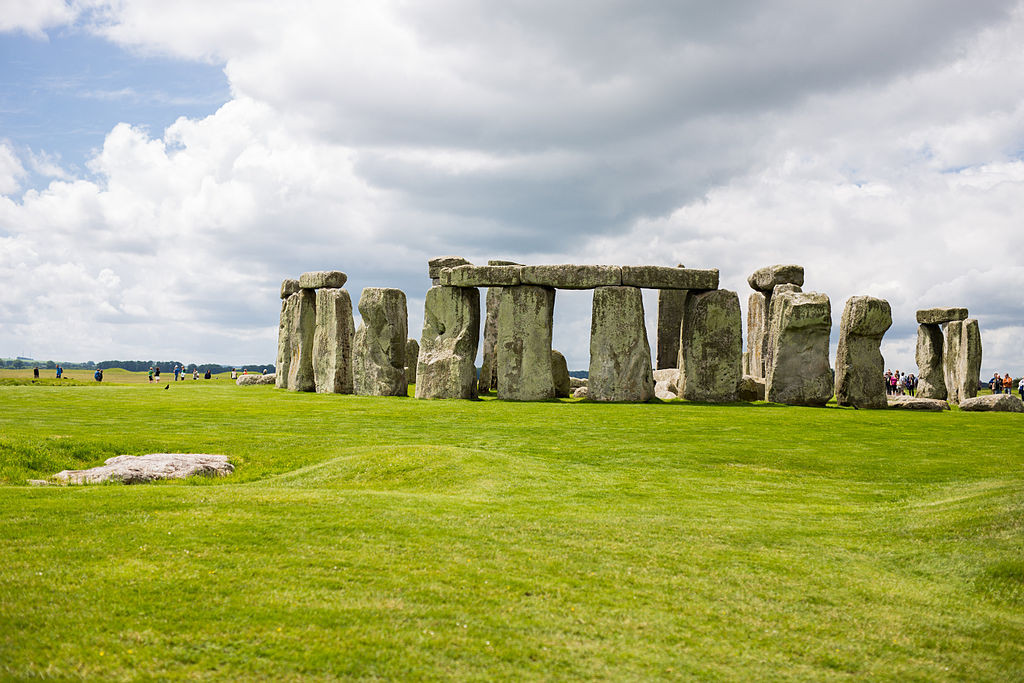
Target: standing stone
<point>525,315</point>
<point>671,305</point>
<point>332,342</point>
<point>961,359</point>
<point>711,347</point>
<point>757,332</point>
<point>451,334</point>
<point>798,372</point>
<point>379,346</point>
<point>931,382</point>
<point>289,287</point>
<point>302,318</point>
<point>560,374</point>
<point>859,363</point>
<point>412,354</point>
<point>766,347</point>
<point>489,366</point>
<point>620,357</point>
<point>284,346</point>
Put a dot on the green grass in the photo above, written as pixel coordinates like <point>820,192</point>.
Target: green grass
<point>394,538</point>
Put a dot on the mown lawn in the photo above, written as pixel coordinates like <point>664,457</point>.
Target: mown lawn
<point>394,538</point>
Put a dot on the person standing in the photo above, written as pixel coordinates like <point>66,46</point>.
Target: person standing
<point>1020,388</point>
<point>234,373</point>
<point>156,374</point>
<point>35,372</point>
<point>150,374</point>
<point>60,371</point>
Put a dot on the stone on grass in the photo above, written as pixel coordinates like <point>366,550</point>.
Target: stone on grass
<point>930,373</point>
<point>577,382</point>
<point>139,469</point>
<point>667,375</point>
<point>412,354</point>
<point>859,363</point>
<point>1003,403</point>
<point>917,403</point>
<point>302,318</point>
<point>751,389</point>
<point>284,343</point>
<point>254,379</point>
<point>765,279</point>
<point>620,357</point>
<point>937,316</point>
<point>666,277</point>
<point>378,353</point>
<point>319,279</point>
<point>663,392</point>
<point>448,346</point>
<point>289,287</point>
<point>569,276</point>
<point>525,314</point>
<point>560,375</point>
<point>332,342</point>
<point>435,265</point>
<point>798,372</point>
<point>961,359</point>
<point>579,392</point>
<point>711,347</point>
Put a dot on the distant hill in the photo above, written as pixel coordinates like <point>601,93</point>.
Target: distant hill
<point>166,366</point>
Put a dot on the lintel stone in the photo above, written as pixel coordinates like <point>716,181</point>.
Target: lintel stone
<point>435,265</point>
<point>480,276</point>
<point>289,287</point>
<point>666,277</point>
<point>321,279</point>
<point>765,279</point>
<point>937,316</point>
<point>569,276</point>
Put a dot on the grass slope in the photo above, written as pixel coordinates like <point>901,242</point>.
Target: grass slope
<point>377,537</point>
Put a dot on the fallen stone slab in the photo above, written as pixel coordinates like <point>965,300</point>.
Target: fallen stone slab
<point>1001,403</point>
<point>569,276</point>
<point>480,276</point>
<point>436,265</point>
<point>666,277</point>
<point>663,392</point>
<point>937,316</point>
<point>751,389</point>
<point>251,380</point>
<point>320,279</point>
<point>289,287</point>
<point>580,392</point>
<point>577,382</point>
<point>139,469</point>
<point>917,403</point>
<point>667,375</point>
<point>765,279</point>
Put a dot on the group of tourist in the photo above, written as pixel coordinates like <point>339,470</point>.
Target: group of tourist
<point>1004,385</point>
<point>899,383</point>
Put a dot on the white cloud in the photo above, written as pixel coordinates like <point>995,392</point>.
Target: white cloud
<point>33,17</point>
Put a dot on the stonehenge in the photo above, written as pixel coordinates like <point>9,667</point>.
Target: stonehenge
<point>332,342</point>
<point>764,281</point>
<point>711,347</point>
<point>301,316</point>
<point>448,346</point>
<point>560,375</point>
<point>620,357</point>
<point>525,314</point>
<point>948,362</point>
<point>798,371</point>
<point>489,367</point>
<point>671,303</point>
<point>379,344</point>
<point>930,374</point>
<point>859,363</point>
<point>314,339</point>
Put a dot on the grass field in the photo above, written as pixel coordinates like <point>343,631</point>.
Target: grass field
<point>394,538</point>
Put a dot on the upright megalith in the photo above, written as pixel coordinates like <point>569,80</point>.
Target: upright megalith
<point>289,286</point>
<point>766,347</point>
<point>525,315</point>
<point>560,375</point>
<point>798,371</point>
<point>671,305</point>
<point>302,326</point>
<point>930,373</point>
<point>412,354</point>
<point>379,344</point>
<point>764,281</point>
<point>451,334</point>
<point>711,347</point>
<point>489,365</point>
<point>332,342</point>
<point>961,359</point>
<point>620,357</point>
<point>859,363</point>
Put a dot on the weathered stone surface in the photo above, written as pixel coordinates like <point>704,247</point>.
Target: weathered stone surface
<point>284,347</point>
<point>666,277</point>
<point>917,403</point>
<point>568,276</point>
<point>302,317</point>
<point>663,392</point>
<point>667,375</point>
<point>1004,403</point>
<point>620,357</point>
<point>489,364</point>
<point>859,363</point>
<point>711,347</point>
<point>412,355</point>
<point>757,332</point>
<point>930,374</point>
<point>499,262</point>
<point>139,469</point>
<point>379,345</point>
<point>250,380</point>
<point>334,279</point>
<point>666,381</point>
<point>577,382</point>
<point>524,343</point>
<point>937,316</point>
<point>435,265</point>
<point>765,279</point>
<point>751,389</point>
<point>798,372</point>
<point>671,306</point>
<point>580,392</point>
<point>332,342</point>
<point>560,375</point>
<point>451,335</point>
<point>289,287</point>
<point>961,359</point>
<point>480,276</point>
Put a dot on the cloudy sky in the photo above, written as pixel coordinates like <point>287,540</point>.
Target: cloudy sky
<point>163,166</point>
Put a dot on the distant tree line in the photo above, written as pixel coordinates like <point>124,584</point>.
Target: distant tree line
<point>166,367</point>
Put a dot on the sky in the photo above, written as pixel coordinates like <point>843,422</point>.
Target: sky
<point>163,166</point>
